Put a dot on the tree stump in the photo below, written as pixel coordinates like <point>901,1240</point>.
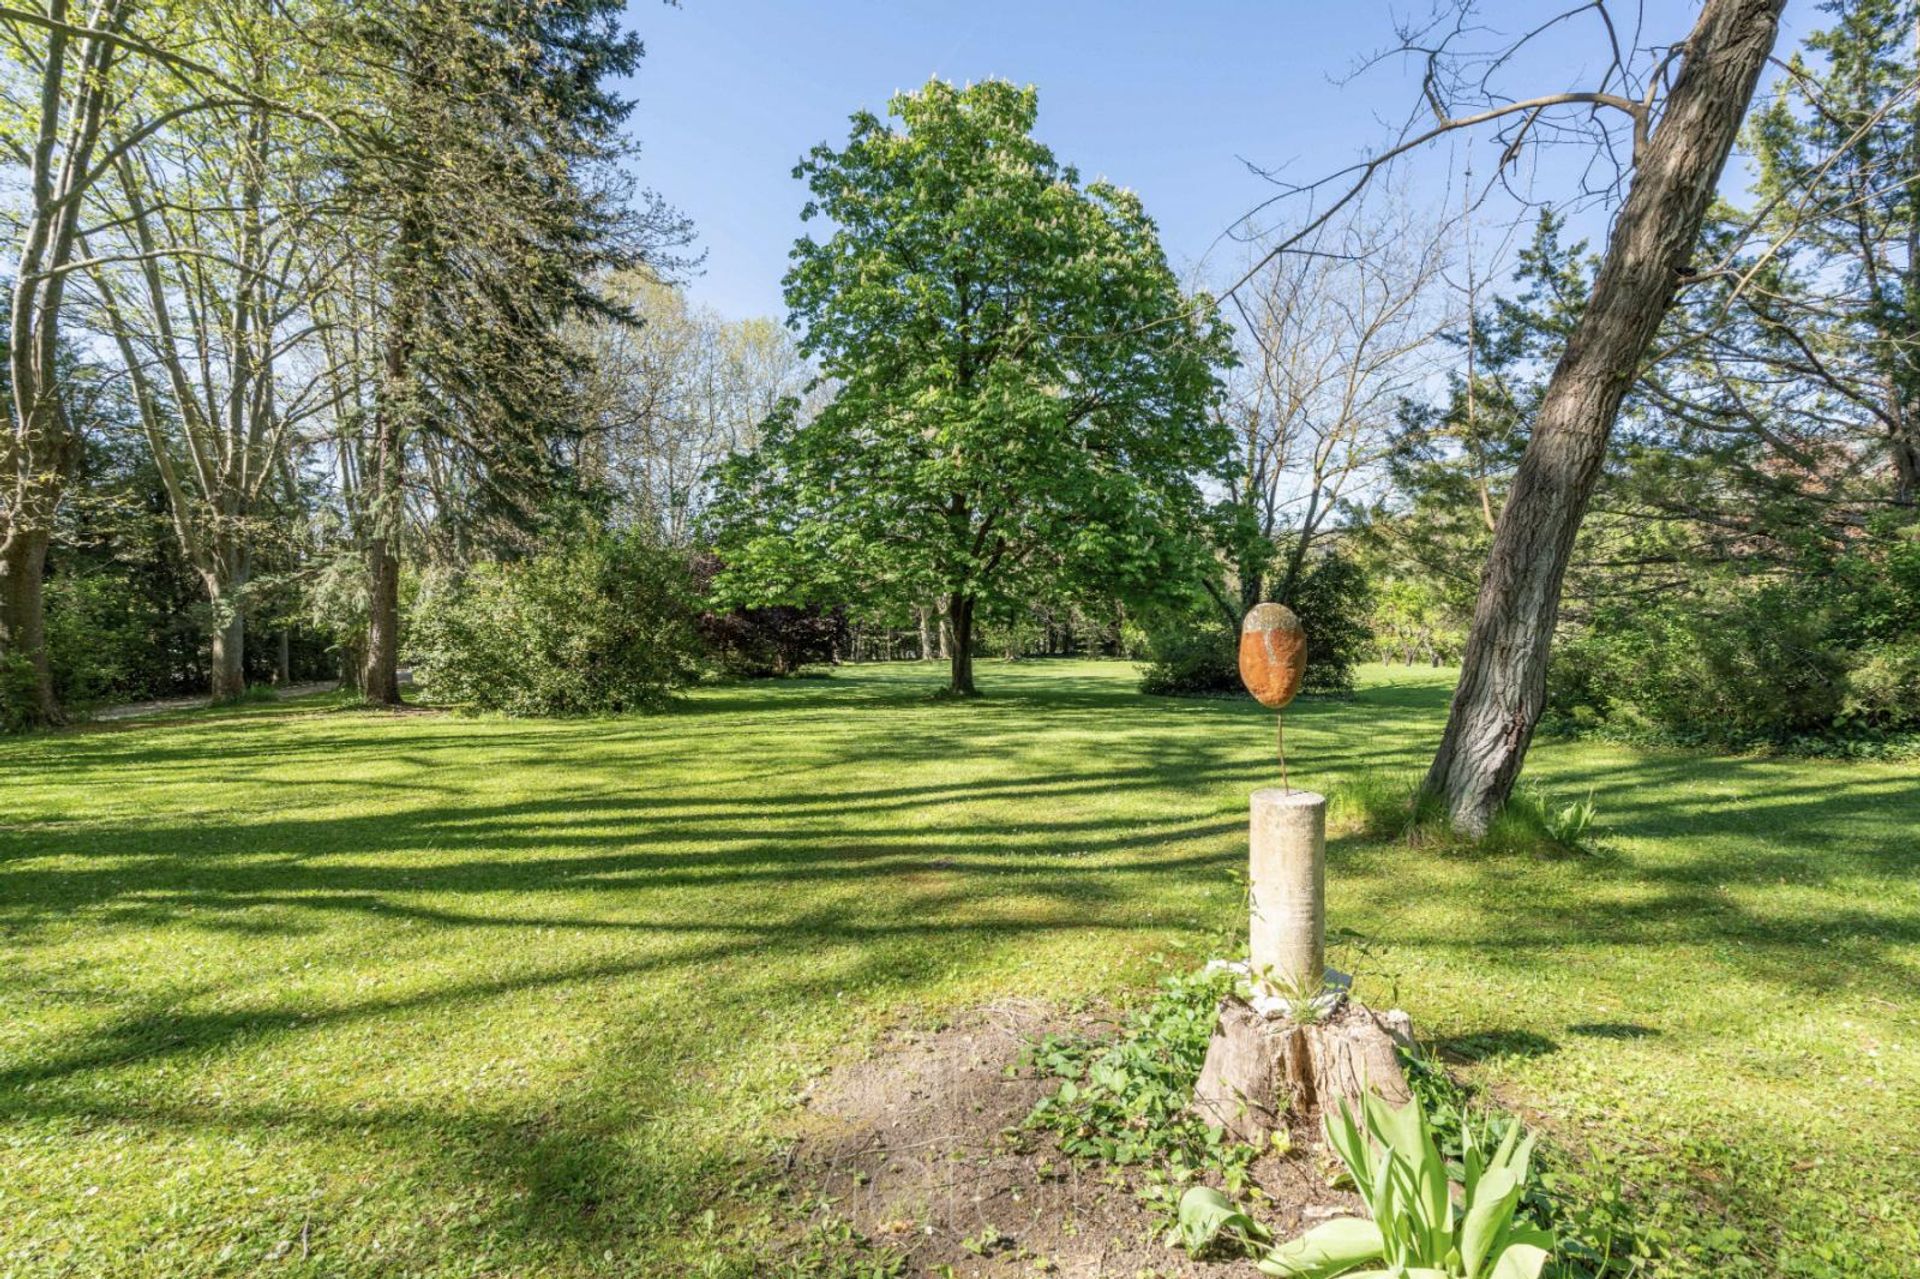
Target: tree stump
<point>1262,1071</point>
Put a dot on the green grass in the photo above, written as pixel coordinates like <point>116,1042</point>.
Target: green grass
<point>308,991</point>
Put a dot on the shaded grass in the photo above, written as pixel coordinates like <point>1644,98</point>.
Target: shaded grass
<point>346,992</point>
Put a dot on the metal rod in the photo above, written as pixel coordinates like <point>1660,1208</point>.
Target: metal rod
<point>1280,745</point>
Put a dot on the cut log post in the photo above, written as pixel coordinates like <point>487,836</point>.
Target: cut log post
<point>1287,932</point>
<point>1301,1043</point>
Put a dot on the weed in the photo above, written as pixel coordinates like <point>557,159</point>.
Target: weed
<point>1124,1101</point>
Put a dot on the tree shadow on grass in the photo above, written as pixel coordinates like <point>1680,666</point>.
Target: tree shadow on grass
<point>1048,808</point>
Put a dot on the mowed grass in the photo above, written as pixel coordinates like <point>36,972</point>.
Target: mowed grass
<point>308,991</point>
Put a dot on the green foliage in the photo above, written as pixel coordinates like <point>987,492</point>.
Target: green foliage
<point>1023,389</point>
<point>1424,1222</point>
<point>100,638</point>
<point>1192,660</point>
<point>1124,1100</point>
<point>1831,654</point>
<point>1210,1226</point>
<point>18,693</point>
<point>1333,599</point>
<point>1193,652</point>
<point>1532,821</point>
<point>605,627</point>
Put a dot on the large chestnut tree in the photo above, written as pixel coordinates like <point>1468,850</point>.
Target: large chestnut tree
<point>1023,394</point>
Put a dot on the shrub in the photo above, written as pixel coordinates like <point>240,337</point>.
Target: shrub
<point>1883,689</point>
<point>1333,599</point>
<point>607,626</point>
<point>98,639</point>
<point>1191,661</point>
<point>17,691</point>
<point>760,642</point>
<point>1197,655</point>
<point>1774,665</point>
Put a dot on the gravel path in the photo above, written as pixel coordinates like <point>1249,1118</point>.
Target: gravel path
<point>137,710</point>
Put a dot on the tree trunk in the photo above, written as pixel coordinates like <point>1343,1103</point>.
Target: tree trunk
<point>229,654</point>
<point>1264,1075</point>
<point>960,618</point>
<point>283,663</point>
<point>1504,669</point>
<point>380,673</point>
<point>926,637</point>
<point>1906,458</point>
<point>23,626</point>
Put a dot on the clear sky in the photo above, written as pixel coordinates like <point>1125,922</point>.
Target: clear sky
<point>1168,97</point>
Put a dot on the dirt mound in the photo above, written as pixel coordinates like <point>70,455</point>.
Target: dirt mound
<point>920,1146</point>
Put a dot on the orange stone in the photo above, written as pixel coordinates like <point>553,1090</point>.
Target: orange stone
<point>1273,654</point>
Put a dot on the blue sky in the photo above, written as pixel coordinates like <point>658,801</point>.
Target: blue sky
<point>1165,97</point>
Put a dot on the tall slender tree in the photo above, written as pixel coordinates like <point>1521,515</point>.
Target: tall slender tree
<point>492,200</point>
<point>1649,254</point>
<point>204,277</point>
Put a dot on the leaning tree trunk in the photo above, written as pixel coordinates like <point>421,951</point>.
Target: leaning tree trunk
<point>23,628</point>
<point>1504,670</point>
<point>960,619</point>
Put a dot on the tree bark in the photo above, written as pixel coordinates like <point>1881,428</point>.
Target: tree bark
<point>960,619</point>
<point>40,448</point>
<point>380,672</point>
<point>229,654</point>
<point>926,637</point>
<point>1503,671</point>
<point>1262,1076</point>
<point>23,628</point>
<point>283,663</point>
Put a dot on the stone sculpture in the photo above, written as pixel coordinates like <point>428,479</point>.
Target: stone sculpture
<point>1289,1041</point>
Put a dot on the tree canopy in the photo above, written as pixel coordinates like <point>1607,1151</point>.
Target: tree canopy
<point>1024,392</point>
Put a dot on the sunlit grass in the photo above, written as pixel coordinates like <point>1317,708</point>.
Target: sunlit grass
<point>339,992</point>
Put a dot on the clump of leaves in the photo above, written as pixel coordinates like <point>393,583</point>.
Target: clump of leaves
<point>834,1249</point>
<point>1416,1228</point>
<point>1124,1101</point>
<point>1532,820</point>
<point>1212,1227</point>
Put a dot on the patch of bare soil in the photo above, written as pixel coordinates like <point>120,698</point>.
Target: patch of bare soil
<point>920,1146</point>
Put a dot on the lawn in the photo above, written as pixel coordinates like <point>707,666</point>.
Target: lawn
<point>308,991</point>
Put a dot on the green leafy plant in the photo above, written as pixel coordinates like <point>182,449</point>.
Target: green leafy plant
<point>1531,821</point>
<point>986,1243</point>
<point>1571,824</point>
<point>1598,1233</point>
<point>602,627</point>
<point>1124,1101</point>
<point>1211,1226</point>
<point>1417,1231</point>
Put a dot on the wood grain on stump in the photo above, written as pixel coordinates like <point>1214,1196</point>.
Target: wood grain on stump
<point>1262,1071</point>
